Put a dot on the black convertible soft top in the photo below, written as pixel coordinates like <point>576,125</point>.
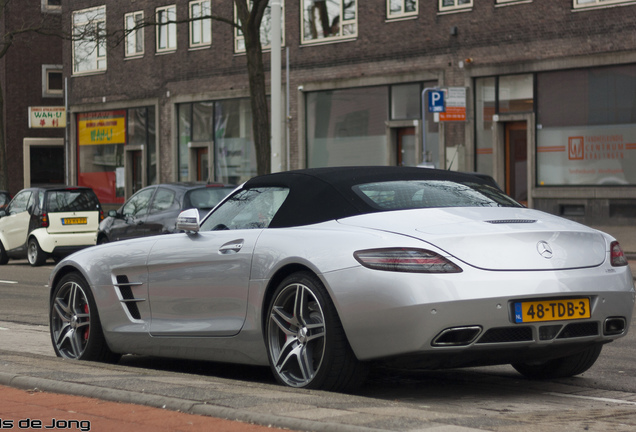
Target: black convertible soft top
<point>321,194</point>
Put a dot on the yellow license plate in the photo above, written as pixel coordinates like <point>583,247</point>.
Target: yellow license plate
<point>74,221</point>
<point>552,310</point>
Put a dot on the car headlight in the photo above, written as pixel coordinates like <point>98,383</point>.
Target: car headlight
<point>405,260</point>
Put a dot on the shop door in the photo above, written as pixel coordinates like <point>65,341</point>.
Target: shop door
<point>406,147</point>
<point>137,175</point>
<point>516,157</point>
<point>203,173</point>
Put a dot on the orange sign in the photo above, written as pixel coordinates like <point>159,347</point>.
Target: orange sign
<point>108,127</point>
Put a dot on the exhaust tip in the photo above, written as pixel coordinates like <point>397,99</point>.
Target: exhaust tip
<point>614,326</point>
<point>457,336</point>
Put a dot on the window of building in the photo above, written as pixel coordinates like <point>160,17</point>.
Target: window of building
<point>101,141</point>
<point>512,1</point>
<point>401,8</point>
<point>592,3</point>
<point>200,26</point>
<point>226,127</point>
<point>347,127</point>
<point>515,93</point>
<point>330,20</point>
<point>586,127</point>
<point>52,81</point>
<point>266,30</point>
<point>52,6</point>
<point>89,45</point>
<point>167,28</point>
<point>452,5</point>
<point>134,34</point>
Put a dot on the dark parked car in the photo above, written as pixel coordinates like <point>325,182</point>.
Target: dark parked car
<point>5,197</point>
<point>154,209</point>
<point>43,222</point>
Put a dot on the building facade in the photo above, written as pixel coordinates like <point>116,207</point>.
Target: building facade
<point>31,77</point>
<point>540,94</point>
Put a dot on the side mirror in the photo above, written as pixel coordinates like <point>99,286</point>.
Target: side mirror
<point>188,221</point>
<point>112,213</point>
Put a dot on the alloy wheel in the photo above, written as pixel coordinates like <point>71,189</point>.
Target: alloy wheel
<point>70,320</point>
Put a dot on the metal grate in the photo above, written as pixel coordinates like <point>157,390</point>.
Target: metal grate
<point>506,334</point>
<point>583,329</point>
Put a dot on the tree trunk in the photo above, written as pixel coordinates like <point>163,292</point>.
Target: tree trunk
<point>250,23</point>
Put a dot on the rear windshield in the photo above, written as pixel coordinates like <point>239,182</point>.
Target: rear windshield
<point>71,200</point>
<point>412,194</point>
<point>205,198</point>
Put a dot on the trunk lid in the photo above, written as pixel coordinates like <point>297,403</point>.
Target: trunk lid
<point>496,238</point>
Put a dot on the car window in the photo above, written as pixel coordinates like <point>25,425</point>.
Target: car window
<point>20,202</point>
<point>165,199</point>
<point>71,200</point>
<point>4,199</point>
<point>247,209</point>
<point>410,194</point>
<point>205,198</point>
<point>137,205</point>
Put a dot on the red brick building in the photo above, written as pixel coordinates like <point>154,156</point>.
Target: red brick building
<point>547,88</point>
<point>31,77</point>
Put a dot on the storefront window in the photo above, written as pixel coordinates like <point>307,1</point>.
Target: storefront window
<point>225,126</point>
<point>347,127</point>
<point>586,127</point>
<point>406,101</point>
<point>516,94</point>
<point>102,137</point>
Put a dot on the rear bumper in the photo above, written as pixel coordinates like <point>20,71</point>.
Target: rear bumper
<point>407,315</point>
<point>59,244</point>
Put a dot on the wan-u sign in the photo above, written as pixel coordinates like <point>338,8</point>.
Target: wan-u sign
<point>47,117</point>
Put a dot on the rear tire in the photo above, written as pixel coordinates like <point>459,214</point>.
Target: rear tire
<point>306,344</point>
<point>35,254</point>
<point>4,257</point>
<point>563,367</point>
<point>76,331</point>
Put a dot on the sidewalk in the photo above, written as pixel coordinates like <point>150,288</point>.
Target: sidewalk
<point>34,409</point>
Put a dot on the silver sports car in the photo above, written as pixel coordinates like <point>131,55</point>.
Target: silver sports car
<point>320,273</point>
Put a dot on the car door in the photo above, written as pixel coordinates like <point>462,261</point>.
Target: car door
<point>163,212</point>
<point>198,283</point>
<point>14,227</point>
<point>132,217</point>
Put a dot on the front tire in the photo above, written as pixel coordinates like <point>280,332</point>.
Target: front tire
<point>4,257</point>
<point>35,254</point>
<point>563,367</point>
<point>306,343</point>
<point>76,331</point>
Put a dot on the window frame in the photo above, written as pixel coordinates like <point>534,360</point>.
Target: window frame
<point>203,22</point>
<point>330,39</point>
<point>49,8</point>
<point>593,4</point>
<point>402,14</point>
<point>168,26</point>
<point>456,7</point>
<point>100,44</point>
<point>134,34</point>
<point>239,39</point>
<point>47,91</point>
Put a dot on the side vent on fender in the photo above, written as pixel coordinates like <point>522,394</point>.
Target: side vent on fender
<point>127,297</point>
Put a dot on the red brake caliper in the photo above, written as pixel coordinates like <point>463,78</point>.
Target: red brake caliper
<point>87,328</point>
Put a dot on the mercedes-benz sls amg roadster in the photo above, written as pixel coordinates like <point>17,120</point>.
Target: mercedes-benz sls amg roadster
<point>320,273</point>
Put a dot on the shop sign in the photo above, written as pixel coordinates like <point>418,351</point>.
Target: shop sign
<point>455,105</point>
<point>47,117</point>
<point>105,127</point>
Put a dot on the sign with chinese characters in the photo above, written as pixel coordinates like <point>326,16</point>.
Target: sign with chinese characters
<point>47,117</point>
<point>106,127</point>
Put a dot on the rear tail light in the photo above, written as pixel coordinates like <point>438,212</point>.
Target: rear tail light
<point>44,220</point>
<point>405,260</point>
<point>617,256</point>
<point>101,215</point>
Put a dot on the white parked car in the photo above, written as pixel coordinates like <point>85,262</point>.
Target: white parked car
<point>43,222</point>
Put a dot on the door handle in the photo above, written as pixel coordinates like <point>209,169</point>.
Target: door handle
<point>231,247</point>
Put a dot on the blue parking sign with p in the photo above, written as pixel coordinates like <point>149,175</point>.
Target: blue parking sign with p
<point>436,101</point>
